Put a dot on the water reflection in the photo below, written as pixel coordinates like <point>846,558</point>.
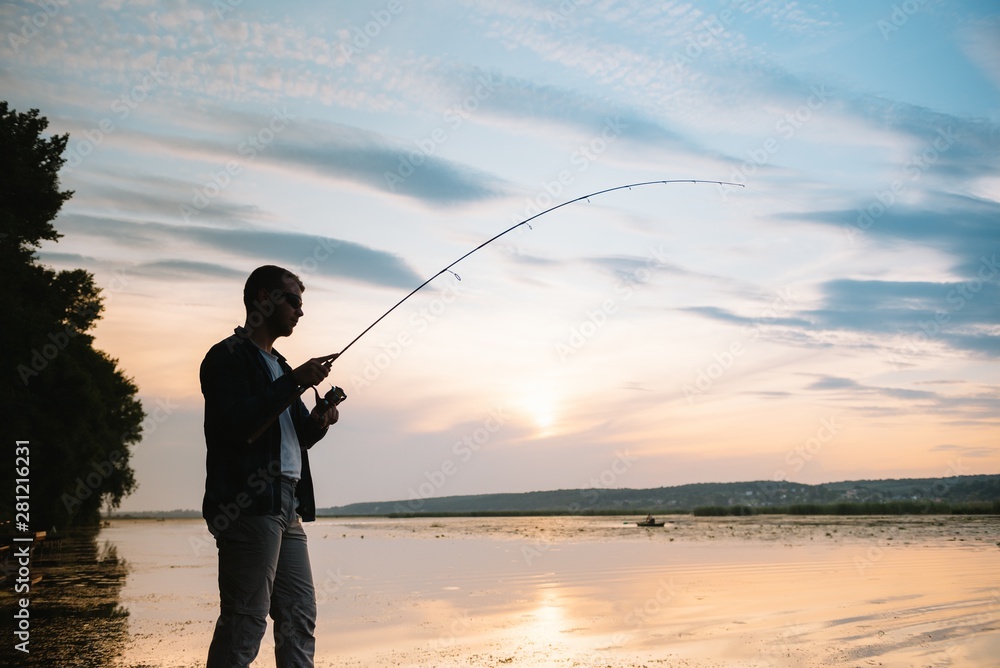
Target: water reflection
<point>537,591</point>
<point>75,610</point>
<point>548,619</point>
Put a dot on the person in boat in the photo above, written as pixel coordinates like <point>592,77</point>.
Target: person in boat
<point>257,494</point>
<point>650,520</point>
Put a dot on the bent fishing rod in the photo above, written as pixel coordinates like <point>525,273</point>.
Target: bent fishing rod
<point>337,395</point>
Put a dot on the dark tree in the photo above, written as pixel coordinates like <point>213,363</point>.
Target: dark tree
<point>71,402</point>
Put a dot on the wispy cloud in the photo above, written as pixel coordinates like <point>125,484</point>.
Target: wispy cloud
<point>392,166</point>
<point>963,226</point>
<point>969,408</point>
<point>333,257</point>
<point>724,315</point>
<point>965,451</point>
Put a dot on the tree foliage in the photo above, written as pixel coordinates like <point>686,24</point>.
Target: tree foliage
<point>71,402</point>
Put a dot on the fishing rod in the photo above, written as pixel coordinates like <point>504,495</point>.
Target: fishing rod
<point>337,395</point>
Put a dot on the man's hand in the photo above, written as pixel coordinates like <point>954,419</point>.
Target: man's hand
<point>324,418</point>
<point>314,371</point>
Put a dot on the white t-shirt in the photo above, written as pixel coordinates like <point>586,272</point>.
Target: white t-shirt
<point>291,452</point>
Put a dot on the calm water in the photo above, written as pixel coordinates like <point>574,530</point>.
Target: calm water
<point>599,591</point>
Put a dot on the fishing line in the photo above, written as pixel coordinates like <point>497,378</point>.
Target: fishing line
<point>336,395</point>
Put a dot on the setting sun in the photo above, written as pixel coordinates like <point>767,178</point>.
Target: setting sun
<point>540,406</point>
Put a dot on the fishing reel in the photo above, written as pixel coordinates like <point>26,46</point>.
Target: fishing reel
<point>331,398</point>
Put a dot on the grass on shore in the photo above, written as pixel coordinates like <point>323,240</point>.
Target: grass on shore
<point>859,508</point>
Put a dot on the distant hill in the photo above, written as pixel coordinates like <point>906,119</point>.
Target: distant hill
<point>971,489</point>
<point>686,498</point>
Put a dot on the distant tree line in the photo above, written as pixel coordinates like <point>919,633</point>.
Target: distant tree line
<point>961,493</point>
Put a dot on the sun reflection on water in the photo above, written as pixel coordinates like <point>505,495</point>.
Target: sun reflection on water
<point>548,617</point>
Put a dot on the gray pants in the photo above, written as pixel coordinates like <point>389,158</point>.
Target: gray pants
<point>264,569</point>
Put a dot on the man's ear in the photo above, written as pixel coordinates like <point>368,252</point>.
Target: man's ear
<point>263,296</point>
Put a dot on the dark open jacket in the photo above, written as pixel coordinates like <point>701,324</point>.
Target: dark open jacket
<point>239,397</point>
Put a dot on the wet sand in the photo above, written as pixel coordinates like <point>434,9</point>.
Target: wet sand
<point>599,591</point>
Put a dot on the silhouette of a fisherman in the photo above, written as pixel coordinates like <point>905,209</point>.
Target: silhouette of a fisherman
<point>258,494</point>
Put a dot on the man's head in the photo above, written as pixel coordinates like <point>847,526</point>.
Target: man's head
<point>273,299</point>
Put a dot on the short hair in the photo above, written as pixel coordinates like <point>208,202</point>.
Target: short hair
<point>268,277</point>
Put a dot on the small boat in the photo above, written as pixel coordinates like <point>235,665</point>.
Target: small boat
<point>650,523</point>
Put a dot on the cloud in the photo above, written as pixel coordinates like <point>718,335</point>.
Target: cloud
<point>981,43</point>
<point>958,314</point>
<point>969,409</point>
<point>143,195</point>
<point>771,394</point>
<point>962,225</point>
<point>634,269</point>
<point>792,16</point>
<point>723,315</point>
<point>951,313</point>
<point>366,158</point>
<point>518,99</point>
<point>333,257</point>
<point>833,383</point>
<point>965,450</point>
<point>944,144</point>
<point>333,150</point>
<point>174,270</point>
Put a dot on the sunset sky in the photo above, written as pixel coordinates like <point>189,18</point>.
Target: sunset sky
<point>835,319</point>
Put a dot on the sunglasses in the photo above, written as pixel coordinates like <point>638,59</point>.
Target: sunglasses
<point>294,300</point>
